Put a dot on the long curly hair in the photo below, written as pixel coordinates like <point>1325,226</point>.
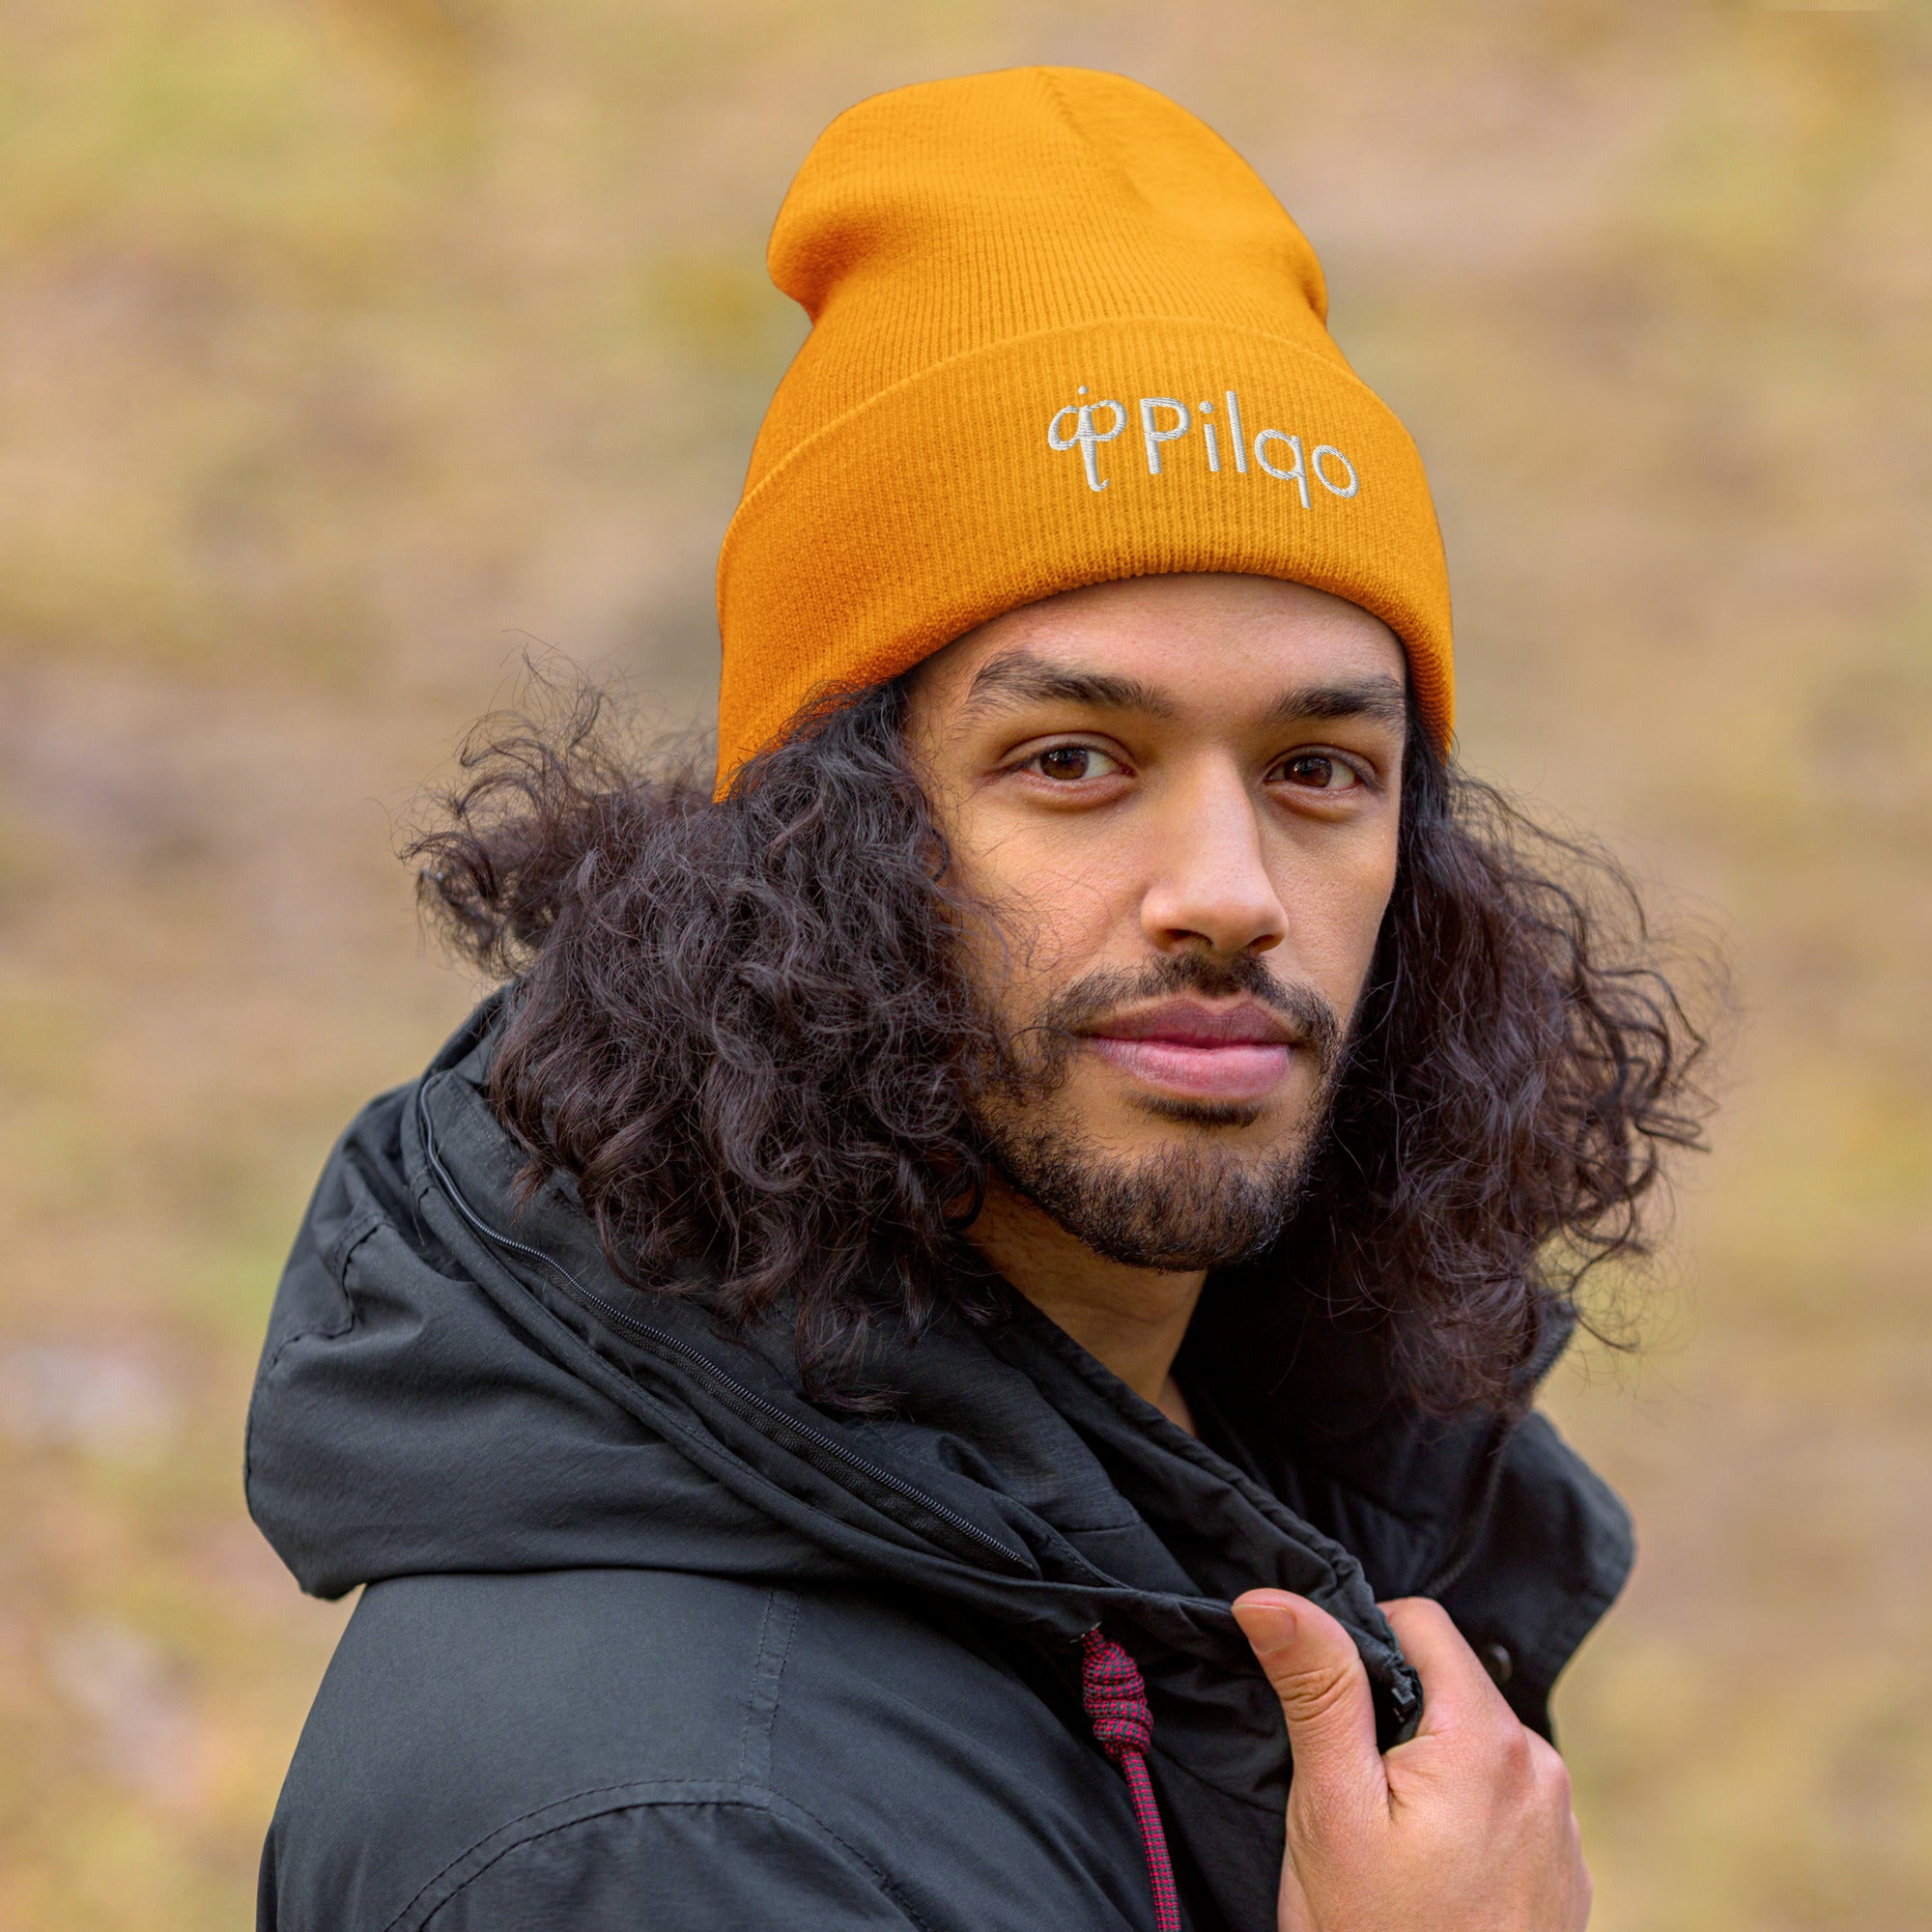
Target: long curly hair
<point>741,1027</point>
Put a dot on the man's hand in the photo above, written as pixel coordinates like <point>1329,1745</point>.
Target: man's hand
<point>1466,1827</point>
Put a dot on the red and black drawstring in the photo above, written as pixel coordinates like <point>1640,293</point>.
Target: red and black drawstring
<point>1114,1695</point>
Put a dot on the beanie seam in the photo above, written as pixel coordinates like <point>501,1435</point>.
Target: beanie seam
<point>1010,342</point>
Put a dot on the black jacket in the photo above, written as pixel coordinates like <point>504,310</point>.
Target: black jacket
<point>647,1640</point>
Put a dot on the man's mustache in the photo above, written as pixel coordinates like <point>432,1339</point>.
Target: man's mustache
<point>1077,1009</point>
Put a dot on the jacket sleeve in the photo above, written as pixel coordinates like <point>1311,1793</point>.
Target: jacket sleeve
<point>668,1865</point>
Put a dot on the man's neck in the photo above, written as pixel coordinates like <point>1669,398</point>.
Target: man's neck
<point>1130,1319</point>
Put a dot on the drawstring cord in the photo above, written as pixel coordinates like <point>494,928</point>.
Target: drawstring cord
<point>1114,1695</point>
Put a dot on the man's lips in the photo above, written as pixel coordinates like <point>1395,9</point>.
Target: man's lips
<point>1187,1023</point>
<point>1215,1053</point>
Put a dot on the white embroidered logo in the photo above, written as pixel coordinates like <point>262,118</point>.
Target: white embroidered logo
<point>1166,419</point>
<point>1085,435</point>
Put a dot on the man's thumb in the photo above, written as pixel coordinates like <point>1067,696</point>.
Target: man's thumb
<point>1317,1673</point>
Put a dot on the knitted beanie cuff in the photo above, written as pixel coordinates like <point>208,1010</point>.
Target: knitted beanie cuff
<point>1133,446</point>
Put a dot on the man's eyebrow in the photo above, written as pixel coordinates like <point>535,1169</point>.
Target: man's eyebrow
<point>1383,699</point>
<point>1018,677</point>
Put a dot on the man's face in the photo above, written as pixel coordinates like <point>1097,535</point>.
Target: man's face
<point>1178,796</point>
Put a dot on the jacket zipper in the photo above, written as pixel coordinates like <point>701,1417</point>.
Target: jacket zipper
<point>663,1339</point>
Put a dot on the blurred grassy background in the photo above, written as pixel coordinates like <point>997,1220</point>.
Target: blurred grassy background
<point>351,343</point>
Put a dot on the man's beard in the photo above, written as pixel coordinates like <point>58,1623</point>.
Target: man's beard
<point>1194,1205</point>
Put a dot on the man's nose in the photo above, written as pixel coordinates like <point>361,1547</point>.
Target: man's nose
<point>1210,883</point>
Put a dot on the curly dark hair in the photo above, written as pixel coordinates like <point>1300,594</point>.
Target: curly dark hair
<point>741,1027</point>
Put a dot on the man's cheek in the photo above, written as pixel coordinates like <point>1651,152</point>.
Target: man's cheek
<point>1349,935</point>
<point>1049,937</point>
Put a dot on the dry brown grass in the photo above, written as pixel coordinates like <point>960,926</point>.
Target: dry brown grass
<point>350,345</point>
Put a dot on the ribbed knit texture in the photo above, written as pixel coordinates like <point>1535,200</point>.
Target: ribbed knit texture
<point>1117,1708</point>
<point>982,260</point>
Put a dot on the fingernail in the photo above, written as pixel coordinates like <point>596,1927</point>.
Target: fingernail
<point>1275,1612</point>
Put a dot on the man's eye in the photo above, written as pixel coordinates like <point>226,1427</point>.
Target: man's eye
<point>1070,762</point>
<point>1315,771</point>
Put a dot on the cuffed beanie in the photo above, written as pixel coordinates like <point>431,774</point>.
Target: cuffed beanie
<point>1062,335</point>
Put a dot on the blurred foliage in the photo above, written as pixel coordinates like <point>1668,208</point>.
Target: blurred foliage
<point>351,345</point>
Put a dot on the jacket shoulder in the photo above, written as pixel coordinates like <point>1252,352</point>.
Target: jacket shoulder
<point>465,1711</point>
<point>703,1858</point>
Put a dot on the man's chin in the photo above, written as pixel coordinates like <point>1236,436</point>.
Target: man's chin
<point>1183,1205</point>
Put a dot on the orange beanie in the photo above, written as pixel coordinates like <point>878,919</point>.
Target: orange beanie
<point>1062,334</point>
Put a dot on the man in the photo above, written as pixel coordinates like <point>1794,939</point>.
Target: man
<point>880,1381</point>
